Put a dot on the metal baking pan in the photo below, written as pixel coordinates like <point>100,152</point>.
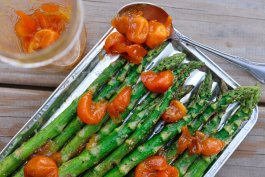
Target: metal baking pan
<point>88,70</point>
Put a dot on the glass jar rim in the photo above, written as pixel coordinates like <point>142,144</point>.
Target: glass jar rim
<point>52,53</point>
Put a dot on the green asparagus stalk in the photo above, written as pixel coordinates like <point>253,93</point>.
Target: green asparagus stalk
<point>106,75</point>
<point>226,134</point>
<point>184,91</point>
<point>152,146</point>
<point>141,130</point>
<point>15,159</point>
<point>83,135</point>
<point>115,82</point>
<point>19,172</point>
<point>204,90</point>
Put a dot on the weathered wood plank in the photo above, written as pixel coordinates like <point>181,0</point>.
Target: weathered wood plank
<point>4,141</point>
<point>246,159</point>
<point>11,125</point>
<point>20,103</point>
<point>20,76</point>
<point>240,171</point>
<point>259,128</point>
<point>16,107</point>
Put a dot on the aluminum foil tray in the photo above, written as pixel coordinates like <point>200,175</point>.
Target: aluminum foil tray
<point>88,70</point>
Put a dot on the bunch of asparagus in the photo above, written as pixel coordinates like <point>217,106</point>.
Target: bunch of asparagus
<point>210,128</point>
<point>116,148</point>
<point>67,122</point>
<point>196,110</point>
<point>196,166</point>
<point>14,160</point>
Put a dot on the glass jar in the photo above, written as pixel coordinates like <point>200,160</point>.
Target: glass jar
<point>62,54</point>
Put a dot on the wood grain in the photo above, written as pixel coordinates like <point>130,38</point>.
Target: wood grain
<point>20,103</point>
<point>16,107</point>
<point>29,77</point>
<point>234,26</point>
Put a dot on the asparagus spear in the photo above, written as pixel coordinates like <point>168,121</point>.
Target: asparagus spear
<point>183,91</point>
<point>15,159</point>
<point>142,129</point>
<point>82,136</point>
<point>204,90</point>
<point>19,172</point>
<point>226,134</point>
<point>152,146</point>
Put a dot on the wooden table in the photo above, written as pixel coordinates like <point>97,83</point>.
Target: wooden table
<point>234,26</point>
